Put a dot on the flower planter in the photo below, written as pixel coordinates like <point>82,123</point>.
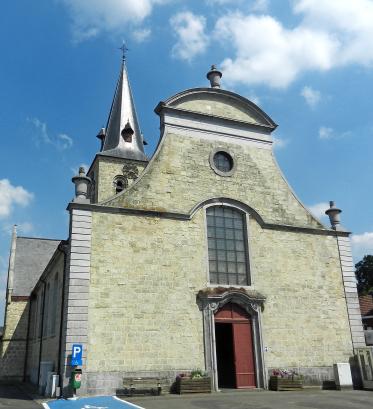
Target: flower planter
<point>277,383</point>
<point>193,385</point>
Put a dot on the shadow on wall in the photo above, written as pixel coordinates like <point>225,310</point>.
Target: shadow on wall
<point>13,391</point>
<point>13,344</point>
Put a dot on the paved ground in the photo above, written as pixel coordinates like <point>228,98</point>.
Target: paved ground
<point>308,399</point>
<point>12,397</point>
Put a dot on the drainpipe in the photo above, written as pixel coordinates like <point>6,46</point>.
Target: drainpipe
<point>42,331</point>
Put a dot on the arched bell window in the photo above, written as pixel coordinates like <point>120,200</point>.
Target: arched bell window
<point>227,246</point>
<point>120,183</point>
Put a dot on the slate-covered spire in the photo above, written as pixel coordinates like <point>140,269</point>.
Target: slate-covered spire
<point>123,138</point>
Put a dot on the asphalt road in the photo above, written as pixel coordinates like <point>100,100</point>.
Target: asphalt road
<point>12,397</point>
<point>307,399</point>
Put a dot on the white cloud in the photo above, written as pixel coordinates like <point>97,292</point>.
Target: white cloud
<point>93,17</point>
<point>222,2</point>
<point>276,58</point>
<point>312,96</point>
<point>256,5</point>
<point>362,244</point>
<point>279,143</point>
<point>141,35</point>
<point>64,141</point>
<point>330,34</point>
<point>318,209</point>
<point>61,141</point>
<point>253,98</point>
<point>326,133</point>
<point>25,227</point>
<point>260,5</point>
<point>42,136</point>
<point>12,195</point>
<point>190,30</point>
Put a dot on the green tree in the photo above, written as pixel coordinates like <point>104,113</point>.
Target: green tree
<point>364,275</point>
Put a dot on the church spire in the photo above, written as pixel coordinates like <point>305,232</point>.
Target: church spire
<point>123,138</point>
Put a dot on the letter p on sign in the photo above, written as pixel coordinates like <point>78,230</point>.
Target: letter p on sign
<point>76,355</point>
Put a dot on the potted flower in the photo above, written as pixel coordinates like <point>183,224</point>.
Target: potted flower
<point>197,381</point>
<point>285,380</point>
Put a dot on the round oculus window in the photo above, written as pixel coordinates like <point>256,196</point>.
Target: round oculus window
<point>223,161</point>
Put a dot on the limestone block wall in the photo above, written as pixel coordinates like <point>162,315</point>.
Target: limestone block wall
<point>143,315</point>
<point>305,321</point>
<point>180,176</point>
<point>13,345</point>
<point>106,169</point>
<point>142,268</point>
<point>142,306</point>
<point>48,340</point>
<point>213,105</point>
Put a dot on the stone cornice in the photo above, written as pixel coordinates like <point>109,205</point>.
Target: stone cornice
<point>186,217</point>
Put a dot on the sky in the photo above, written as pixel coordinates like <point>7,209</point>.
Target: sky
<point>307,63</point>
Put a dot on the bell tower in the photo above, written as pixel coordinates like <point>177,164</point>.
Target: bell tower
<point>121,158</point>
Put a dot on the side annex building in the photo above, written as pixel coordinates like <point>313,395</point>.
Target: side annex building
<point>201,257</point>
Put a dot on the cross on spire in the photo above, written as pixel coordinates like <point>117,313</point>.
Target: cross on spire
<point>124,49</point>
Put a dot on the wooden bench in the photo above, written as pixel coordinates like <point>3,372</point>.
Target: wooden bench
<point>142,386</point>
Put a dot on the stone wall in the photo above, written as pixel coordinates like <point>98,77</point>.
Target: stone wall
<point>143,305</point>
<point>305,321</point>
<point>146,271</point>
<point>180,176</point>
<point>13,345</point>
<point>104,171</point>
<point>143,314</point>
<point>48,339</point>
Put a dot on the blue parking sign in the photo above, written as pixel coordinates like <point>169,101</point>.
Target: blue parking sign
<point>76,355</point>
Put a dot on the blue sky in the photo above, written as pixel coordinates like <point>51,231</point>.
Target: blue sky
<point>307,63</point>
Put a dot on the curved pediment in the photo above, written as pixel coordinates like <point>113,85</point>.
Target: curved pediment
<point>219,103</point>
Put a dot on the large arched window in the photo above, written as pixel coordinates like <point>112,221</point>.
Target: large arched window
<point>227,246</point>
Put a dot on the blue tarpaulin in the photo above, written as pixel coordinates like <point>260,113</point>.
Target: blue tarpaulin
<point>96,402</point>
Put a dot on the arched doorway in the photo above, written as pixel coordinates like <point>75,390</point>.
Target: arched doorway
<point>234,348</point>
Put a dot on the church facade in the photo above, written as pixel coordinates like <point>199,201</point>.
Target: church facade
<point>201,257</point>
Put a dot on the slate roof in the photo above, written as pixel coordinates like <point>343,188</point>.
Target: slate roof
<point>123,116</point>
<point>32,256</point>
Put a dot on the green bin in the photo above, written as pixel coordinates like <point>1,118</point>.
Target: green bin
<point>76,378</point>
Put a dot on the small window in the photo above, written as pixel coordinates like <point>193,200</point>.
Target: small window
<point>120,183</point>
<point>223,161</point>
<point>227,247</point>
<point>119,186</point>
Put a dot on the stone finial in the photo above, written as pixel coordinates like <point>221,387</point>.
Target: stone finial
<point>333,213</point>
<point>82,185</point>
<point>214,76</point>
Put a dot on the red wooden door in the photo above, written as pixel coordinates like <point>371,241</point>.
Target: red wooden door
<point>243,354</point>
<point>242,343</point>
